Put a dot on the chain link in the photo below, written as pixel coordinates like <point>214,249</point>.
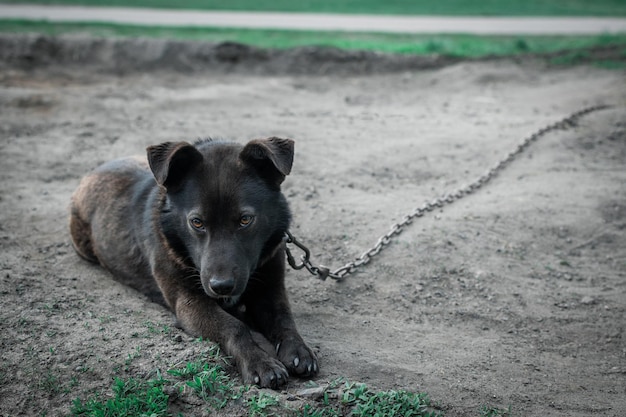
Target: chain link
<point>323,272</point>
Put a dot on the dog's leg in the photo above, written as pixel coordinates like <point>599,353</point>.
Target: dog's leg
<point>276,322</point>
<point>202,316</point>
<point>269,306</point>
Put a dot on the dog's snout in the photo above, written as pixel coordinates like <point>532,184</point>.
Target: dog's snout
<point>222,286</point>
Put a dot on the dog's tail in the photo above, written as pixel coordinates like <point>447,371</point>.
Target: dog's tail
<point>80,230</point>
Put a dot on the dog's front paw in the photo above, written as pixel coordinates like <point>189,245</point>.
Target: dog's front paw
<point>297,357</point>
<point>266,373</point>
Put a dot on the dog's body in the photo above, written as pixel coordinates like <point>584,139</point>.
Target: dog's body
<point>200,228</point>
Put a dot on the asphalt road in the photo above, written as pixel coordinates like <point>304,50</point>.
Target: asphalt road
<point>321,22</point>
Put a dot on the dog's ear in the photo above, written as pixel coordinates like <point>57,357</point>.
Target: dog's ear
<point>272,156</point>
<point>171,161</point>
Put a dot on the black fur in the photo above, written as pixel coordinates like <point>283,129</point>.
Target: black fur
<point>202,231</point>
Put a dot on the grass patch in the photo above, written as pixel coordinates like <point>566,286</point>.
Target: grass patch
<point>263,405</point>
<point>49,382</point>
<point>365,402</point>
<point>409,7</point>
<point>131,398</point>
<point>204,384</point>
<point>464,46</point>
<point>487,411</point>
<point>209,382</point>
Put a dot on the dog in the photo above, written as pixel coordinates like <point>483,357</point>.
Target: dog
<point>200,228</point>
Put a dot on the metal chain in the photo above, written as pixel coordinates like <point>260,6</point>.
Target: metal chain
<point>323,272</point>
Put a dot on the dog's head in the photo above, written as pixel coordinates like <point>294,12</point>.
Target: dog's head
<point>223,213</point>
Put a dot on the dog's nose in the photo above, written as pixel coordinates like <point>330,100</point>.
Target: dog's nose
<point>222,286</point>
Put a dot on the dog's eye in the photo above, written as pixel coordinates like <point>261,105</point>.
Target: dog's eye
<point>246,220</point>
<point>196,223</point>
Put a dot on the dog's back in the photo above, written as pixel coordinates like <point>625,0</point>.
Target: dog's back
<point>110,203</point>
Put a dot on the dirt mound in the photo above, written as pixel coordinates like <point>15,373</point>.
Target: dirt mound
<point>128,55</point>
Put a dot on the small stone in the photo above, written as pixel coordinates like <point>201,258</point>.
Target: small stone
<point>587,300</point>
<point>313,392</point>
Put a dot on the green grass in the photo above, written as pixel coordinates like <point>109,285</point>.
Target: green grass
<point>203,385</point>
<point>450,45</point>
<point>135,397</point>
<point>263,405</point>
<point>206,385</point>
<point>432,7</point>
<point>49,383</point>
<point>366,403</point>
<point>487,411</point>
<point>462,46</point>
<point>131,398</point>
<point>208,381</point>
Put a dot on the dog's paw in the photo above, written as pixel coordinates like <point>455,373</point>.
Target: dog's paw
<point>266,373</point>
<point>297,357</point>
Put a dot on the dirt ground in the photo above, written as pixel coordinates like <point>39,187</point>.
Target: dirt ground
<point>514,296</point>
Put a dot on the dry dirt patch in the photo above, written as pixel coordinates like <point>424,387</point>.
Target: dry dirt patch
<point>513,296</point>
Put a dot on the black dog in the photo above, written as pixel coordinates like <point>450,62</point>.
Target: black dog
<point>200,227</point>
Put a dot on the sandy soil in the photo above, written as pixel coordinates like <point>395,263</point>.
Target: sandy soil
<point>513,296</point>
